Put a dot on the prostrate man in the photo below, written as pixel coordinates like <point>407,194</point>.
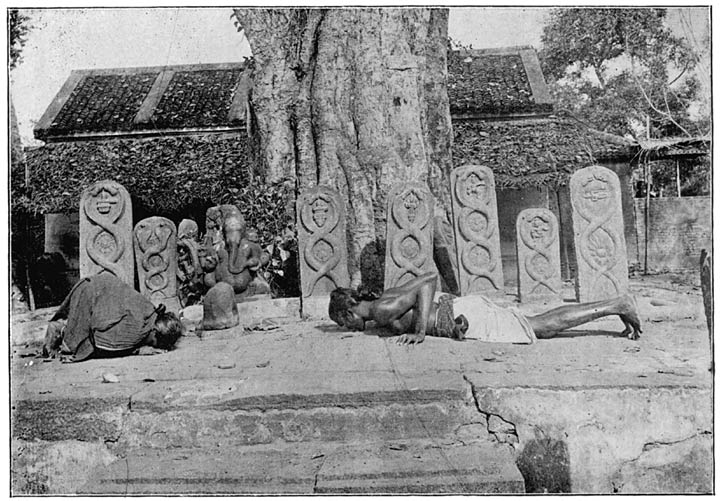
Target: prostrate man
<point>409,310</point>
<point>103,317</point>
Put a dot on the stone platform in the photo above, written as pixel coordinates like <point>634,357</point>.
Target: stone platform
<point>317,409</point>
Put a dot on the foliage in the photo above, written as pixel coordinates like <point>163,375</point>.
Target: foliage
<point>637,97</point>
<point>164,176</point>
<point>18,28</point>
<point>175,177</point>
<point>590,37</point>
<point>581,40</point>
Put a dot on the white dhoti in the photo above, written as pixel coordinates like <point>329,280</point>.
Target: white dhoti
<point>491,323</point>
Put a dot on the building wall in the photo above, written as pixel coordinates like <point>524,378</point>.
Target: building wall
<point>509,204</point>
<point>678,229</point>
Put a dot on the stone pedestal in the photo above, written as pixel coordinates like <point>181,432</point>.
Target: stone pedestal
<point>156,255</point>
<point>476,230</point>
<point>322,246</point>
<point>106,231</point>
<point>538,253</point>
<point>409,248</point>
<point>602,268</point>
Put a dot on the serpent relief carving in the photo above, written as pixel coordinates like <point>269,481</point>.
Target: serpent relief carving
<point>105,230</point>
<point>155,250</point>
<point>322,241</point>
<point>475,218</point>
<point>599,239</point>
<point>538,252</point>
<point>409,239</point>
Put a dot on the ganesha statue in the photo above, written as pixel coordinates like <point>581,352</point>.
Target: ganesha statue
<point>231,253</point>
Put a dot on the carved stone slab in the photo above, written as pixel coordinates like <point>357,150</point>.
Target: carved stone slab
<point>321,242</point>
<point>602,269</point>
<point>155,241</point>
<point>106,231</point>
<point>538,253</point>
<point>409,249</point>
<point>477,236</point>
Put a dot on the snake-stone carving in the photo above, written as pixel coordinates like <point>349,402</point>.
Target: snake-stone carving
<point>320,233</point>
<point>601,259</point>
<point>152,239</point>
<point>104,212</point>
<point>474,208</point>
<point>540,248</point>
<point>411,212</point>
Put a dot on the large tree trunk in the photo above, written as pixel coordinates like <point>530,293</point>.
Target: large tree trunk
<point>355,99</point>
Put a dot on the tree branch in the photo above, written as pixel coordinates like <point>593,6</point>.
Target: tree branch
<point>656,110</point>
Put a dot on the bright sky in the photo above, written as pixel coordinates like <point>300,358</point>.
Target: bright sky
<point>67,39</point>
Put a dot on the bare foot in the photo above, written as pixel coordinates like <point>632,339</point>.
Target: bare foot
<point>410,339</point>
<point>629,315</point>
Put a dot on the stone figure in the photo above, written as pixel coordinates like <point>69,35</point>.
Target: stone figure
<point>106,231</point>
<point>477,236</point>
<point>190,275</point>
<point>409,249</point>
<point>219,308</point>
<point>321,240</point>
<point>602,269</point>
<point>215,222</point>
<point>538,253</point>
<point>155,253</point>
<point>231,253</point>
<point>188,229</point>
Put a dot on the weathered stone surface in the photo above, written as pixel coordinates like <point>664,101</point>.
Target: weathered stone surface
<point>602,268</point>
<point>321,242</point>
<point>106,231</point>
<point>409,248</point>
<point>219,308</point>
<point>210,472</point>
<point>422,468</point>
<point>476,229</point>
<point>55,468</point>
<point>594,440</point>
<point>156,255</point>
<point>538,251</point>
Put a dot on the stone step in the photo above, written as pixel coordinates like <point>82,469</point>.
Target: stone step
<point>397,466</point>
<point>212,413</point>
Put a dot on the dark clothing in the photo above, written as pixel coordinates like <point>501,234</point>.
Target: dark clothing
<point>104,313</point>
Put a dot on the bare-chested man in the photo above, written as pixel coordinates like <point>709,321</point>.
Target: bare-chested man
<point>409,310</point>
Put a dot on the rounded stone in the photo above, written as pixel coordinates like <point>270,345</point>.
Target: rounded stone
<point>219,308</point>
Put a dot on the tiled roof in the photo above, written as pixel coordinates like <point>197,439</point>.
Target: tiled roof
<point>163,99</point>
<point>497,83</point>
<point>104,103</point>
<point>491,83</point>
<point>197,99</point>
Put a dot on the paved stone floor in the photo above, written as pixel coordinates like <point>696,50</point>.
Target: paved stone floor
<point>302,359</point>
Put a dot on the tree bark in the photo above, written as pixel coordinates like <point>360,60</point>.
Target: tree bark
<point>354,99</point>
